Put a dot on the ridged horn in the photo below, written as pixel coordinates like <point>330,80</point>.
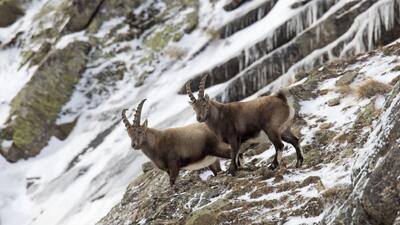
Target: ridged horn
<point>136,120</point>
<point>202,85</point>
<point>124,119</point>
<point>189,91</point>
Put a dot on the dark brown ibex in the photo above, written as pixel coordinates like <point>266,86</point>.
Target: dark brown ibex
<point>191,147</point>
<point>237,122</point>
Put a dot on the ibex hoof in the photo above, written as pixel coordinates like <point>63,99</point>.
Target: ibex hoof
<point>232,171</point>
<point>299,163</point>
<point>173,189</point>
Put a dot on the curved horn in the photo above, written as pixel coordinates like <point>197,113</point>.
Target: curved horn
<point>202,85</point>
<point>136,120</point>
<point>124,119</point>
<point>189,91</point>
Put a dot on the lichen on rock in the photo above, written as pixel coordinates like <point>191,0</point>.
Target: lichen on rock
<point>366,116</point>
<point>173,30</point>
<point>35,108</point>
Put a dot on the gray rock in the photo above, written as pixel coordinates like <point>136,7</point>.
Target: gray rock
<point>376,194</point>
<point>81,12</point>
<point>147,166</point>
<point>334,102</point>
<point>381,199</point>
<point>233,4</point>
<point>346,78</point>
<point>325,126</point>
<point>37,105</point>
<point>62,131</point>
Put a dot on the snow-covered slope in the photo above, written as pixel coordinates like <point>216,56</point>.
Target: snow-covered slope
<point>142,49</point>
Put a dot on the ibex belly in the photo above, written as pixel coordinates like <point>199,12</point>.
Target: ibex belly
<point>207,161</point>
<point>257,138</point>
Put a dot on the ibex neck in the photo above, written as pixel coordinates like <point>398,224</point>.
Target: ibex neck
<point>150,145</point>
<point>215,114</point>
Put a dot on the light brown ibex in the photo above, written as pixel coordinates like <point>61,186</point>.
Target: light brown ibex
<point>191,147</point>
<point>237,122</point>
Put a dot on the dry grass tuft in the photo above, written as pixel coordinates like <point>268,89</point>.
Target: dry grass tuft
<point>344,89</point>
<point>336,193</point>
<point>370,88</point>
<point>175,52</point>
<point>341,89</point>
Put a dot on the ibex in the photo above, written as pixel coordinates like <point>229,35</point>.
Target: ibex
<point>237,122</point>
<point>190,147</point>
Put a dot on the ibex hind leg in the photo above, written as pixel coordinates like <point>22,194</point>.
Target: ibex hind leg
<point>215,167</point>
<point>225,151</point>
<point>235,145</point>
<point>276,140</point>
<point>289,137</point>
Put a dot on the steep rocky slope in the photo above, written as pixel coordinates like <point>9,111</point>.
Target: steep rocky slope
<point>67,69</point>
<point>350,137</point>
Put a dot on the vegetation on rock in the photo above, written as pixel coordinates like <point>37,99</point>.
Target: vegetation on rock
<point>36,107</point>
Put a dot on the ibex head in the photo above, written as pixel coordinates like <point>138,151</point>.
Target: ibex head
<point>200,105</point>
<point>136,132</point>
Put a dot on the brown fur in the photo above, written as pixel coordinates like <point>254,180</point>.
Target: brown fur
<point>238,121</point>
<point>175,148</point>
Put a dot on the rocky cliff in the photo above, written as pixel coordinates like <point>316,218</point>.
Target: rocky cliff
<point>350,130</point>
<point>67,69</point>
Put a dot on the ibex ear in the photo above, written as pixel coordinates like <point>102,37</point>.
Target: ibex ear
<point>145,125</point>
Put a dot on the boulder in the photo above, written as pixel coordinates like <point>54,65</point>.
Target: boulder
<point>10,11</point>
<point>375,197</point>
<point>147,166</point>
<point>81,13</point>
<point>346,78</point>
<point>382,190</point>
<point>36,107</point>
